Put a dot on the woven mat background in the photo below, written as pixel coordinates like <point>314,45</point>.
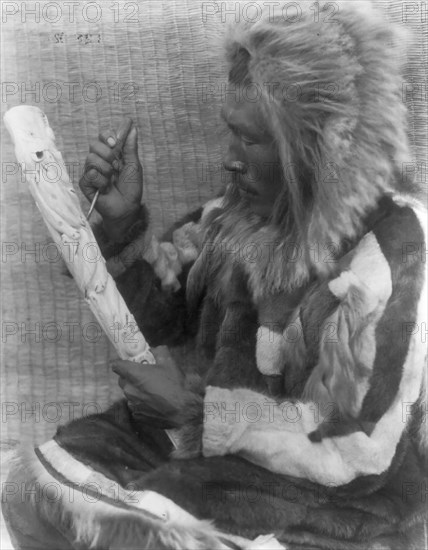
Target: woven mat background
<point>156,69</point>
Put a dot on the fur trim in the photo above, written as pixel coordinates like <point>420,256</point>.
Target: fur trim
<point>339,150</point>
<point>270,360</point>
<point>102,525</point>
<point>88,522</point>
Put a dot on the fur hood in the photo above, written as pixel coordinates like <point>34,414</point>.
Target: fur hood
<point>331,95</point>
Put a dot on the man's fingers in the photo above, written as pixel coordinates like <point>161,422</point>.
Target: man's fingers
<point>163,355</point>
<point>108,137</point>
<point>132,394</point>
<point>97,176</point>
<point>135,373</point>
<point>122,367</point>
<point>92,181</point>
<point>114,140</point>
<point>164,358</point>
<point>123,131</point>
<point>103,151</point>
<point>130,147</point>
<point>93,161</point>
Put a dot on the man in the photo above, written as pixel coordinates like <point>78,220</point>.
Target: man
<point>304,290</point>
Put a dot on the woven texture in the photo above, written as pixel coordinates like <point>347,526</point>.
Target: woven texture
<point>164,70</point>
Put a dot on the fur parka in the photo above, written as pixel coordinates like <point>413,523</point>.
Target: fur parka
<point>307,331</point>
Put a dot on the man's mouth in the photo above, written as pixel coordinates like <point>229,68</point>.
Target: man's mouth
<point>245,190</point>
<point>247,193</point>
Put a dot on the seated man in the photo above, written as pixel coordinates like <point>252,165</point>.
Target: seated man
<point>302,289</point>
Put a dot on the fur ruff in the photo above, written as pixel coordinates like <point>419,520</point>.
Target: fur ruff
<point>339,150</point>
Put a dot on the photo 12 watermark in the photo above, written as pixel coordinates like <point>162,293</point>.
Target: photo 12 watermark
<point>52,491</point>
<point>57,91</point>
<point>285,12</point>
<point>71,12</point>
<point>52,412</point>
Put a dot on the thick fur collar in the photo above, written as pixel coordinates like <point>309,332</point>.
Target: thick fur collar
<point>341,139</point>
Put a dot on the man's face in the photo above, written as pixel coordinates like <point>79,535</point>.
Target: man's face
<point>251,155</point>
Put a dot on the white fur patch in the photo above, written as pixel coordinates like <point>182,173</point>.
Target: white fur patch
<point>348,339</point>
<point>186,241</point>
<point>340,286</point>
<point>370,265</point>
<point>269,352</point>
<point>78,473</point>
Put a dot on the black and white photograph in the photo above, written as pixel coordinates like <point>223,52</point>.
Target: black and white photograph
<point>214,275</point>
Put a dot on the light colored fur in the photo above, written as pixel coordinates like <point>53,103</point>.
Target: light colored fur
<point>101,525</point>
<point>357,135</point>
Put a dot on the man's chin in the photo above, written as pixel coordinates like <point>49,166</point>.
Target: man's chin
<point>258,208</point>
<point>252,203</point>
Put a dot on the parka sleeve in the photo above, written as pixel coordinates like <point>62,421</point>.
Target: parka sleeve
<point>151,273</point>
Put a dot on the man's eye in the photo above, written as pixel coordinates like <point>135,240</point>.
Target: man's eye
<point>247,141</point>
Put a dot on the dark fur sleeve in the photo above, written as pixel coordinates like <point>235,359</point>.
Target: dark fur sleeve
<point>111,248</point>
<point>161,315</point>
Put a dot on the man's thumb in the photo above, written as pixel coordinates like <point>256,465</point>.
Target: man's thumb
<point>130,147</point>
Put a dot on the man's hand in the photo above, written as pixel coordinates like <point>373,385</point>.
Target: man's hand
<point>156,394</point>
<point>113,168</point>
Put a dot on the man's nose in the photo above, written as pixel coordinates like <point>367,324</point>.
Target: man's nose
<point>233,160</point>
<point>235,166</point>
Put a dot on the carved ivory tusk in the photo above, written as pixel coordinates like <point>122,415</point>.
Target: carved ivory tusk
<point>46,174</point>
